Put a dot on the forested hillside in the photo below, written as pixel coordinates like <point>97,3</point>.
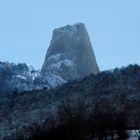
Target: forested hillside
<point>91,107</point>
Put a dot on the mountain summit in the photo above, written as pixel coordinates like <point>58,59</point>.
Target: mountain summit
<point>70,54</point>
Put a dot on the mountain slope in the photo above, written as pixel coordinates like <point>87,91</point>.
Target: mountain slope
<point>109,92</point>
<point>21,77</point>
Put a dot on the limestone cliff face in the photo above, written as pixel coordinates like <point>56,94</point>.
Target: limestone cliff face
<point>70,54</point>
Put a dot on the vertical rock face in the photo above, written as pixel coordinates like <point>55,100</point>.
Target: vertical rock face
<point>70,54</point>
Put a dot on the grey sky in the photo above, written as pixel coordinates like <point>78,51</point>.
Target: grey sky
<point>114,27</point>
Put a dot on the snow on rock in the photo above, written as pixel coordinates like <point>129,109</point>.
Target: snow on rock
<point>54,80</point>
<point>55,57</point>
<point>70,54</point>
<point>58,65</point>
<point>22,77</point>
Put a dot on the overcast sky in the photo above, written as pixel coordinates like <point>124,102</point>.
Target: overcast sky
<point>114,27</point>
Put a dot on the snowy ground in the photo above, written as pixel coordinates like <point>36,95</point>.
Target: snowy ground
<point>134,134</point>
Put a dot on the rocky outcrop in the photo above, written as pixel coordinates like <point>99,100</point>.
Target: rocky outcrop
<point>70,54</point>
<point>22,77</point>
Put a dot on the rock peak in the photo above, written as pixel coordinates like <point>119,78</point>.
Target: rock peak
<point>70,29</point>
<point>79,24</point>
<point>70,54</point>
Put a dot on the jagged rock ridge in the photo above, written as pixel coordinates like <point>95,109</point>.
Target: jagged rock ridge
<point>22,77</point>
<point>70,54</point>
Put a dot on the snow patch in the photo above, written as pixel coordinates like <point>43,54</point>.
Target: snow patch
<point>55,56</point>
<point>21,77</point>
<point>58,64</point>
<point>54,80</point>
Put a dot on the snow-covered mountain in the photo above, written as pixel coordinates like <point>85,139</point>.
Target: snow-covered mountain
<point>22,77</point>
<point>70,56</point>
